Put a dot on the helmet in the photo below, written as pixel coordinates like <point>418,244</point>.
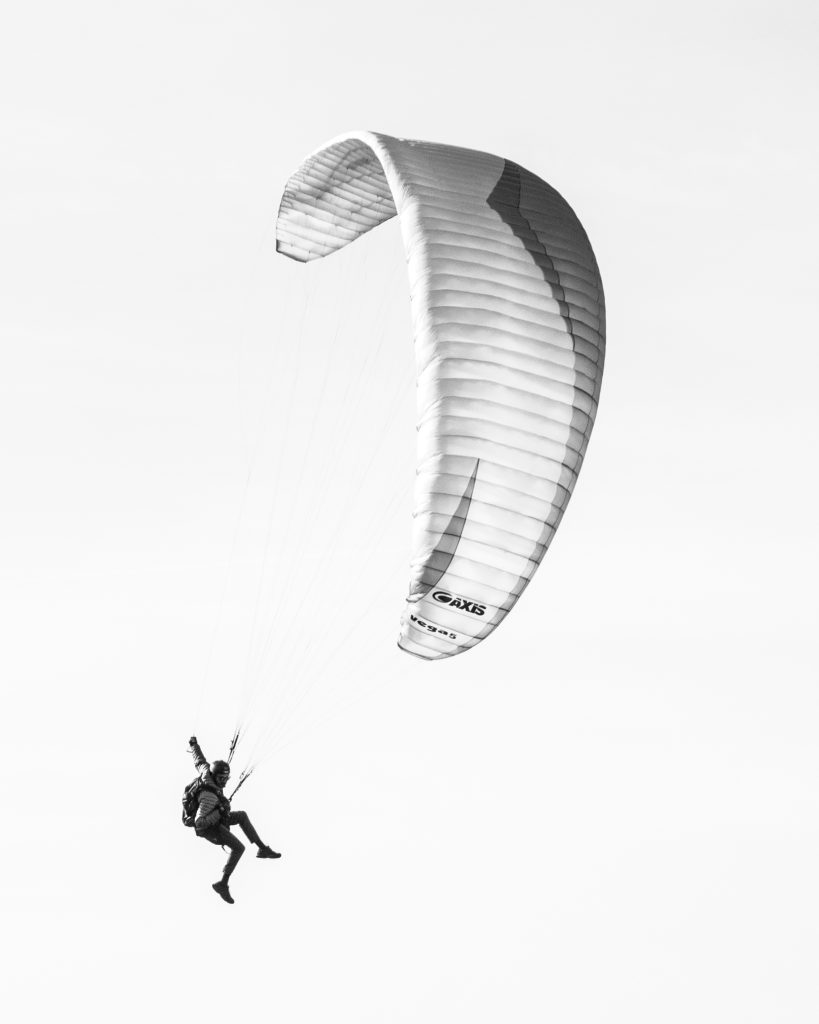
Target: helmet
<point>220,768</point>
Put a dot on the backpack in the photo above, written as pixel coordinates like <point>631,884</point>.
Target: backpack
<point>190,800</point>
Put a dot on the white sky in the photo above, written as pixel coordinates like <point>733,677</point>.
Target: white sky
<point>608,812</point>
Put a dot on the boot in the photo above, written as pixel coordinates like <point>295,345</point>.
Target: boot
<point>265,851</point>
<point>223,890</point>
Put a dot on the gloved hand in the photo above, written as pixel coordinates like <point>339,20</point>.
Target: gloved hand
<point>192,741</point>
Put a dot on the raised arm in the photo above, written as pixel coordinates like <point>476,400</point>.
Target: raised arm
<point>199,759</point>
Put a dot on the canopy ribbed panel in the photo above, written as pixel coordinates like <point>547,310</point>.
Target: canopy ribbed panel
<point>509,323</point>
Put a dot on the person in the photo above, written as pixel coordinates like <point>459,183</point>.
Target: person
<point>214,817</point>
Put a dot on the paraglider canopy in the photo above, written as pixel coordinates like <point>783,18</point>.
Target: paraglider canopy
<point>509,325</point>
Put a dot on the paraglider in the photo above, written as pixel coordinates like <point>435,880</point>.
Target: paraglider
<point>508,316</point>
<point>206,808</point>
<point>509,322</point>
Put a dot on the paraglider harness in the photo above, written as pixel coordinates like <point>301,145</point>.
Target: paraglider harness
<point>190,800</point>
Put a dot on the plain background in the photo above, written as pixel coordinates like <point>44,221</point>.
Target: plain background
<point>608,812</point>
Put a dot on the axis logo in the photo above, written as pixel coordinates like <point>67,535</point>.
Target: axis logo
<point>443,597</point>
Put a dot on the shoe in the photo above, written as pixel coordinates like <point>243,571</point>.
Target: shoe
<point>224,892</point>
<point>265,851</point>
